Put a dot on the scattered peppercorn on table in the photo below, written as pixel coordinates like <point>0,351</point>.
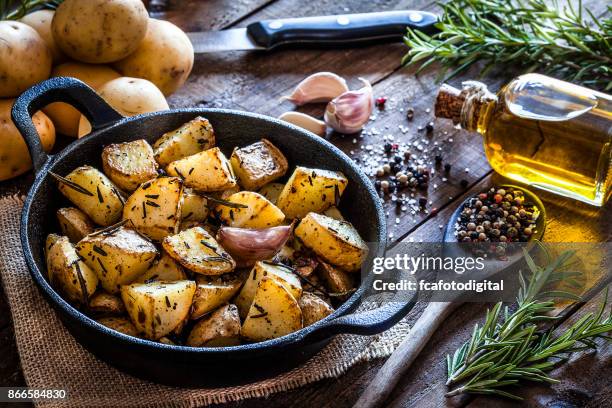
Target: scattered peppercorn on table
<point>440,166</point>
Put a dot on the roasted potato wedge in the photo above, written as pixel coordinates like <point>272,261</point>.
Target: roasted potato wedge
<point>195,207</point>
<point>199,252</point>
<point>225,194</point>
<point>212,293</point>
<point>313,308</point>
<point>154,208</point>
<point>120,324</point>
<point>311,190</point>
<point>69,274</point>
<point>260,213</point>
<point>258,164</point>
<point>221,328</point>
<point>163,269</point>
<point>129,164</point>
<point>271,191</point>
<point>49,242</point>
<point>334,213</point>
<point>93,193</point>
<point>205,171</point>
<point>336,242</point>
<point>158,308</point>
<point>118,257</point>
<point>334,279</point>
<point>189,139</point>
<point>74,223</point>
<point>273,313</point>
<point>278,272</point>
<point>103,303</point>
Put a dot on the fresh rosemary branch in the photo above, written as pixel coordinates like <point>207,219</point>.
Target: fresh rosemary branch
<point>15,9</point>
<point>503,352</point>
<point>563,40</point>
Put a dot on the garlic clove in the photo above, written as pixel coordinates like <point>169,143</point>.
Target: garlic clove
<point>349,112</point>
<point>319,87</point>
<point>247,245</point>
<point>307,122</point>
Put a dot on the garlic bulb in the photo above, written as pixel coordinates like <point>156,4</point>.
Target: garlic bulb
<point>348,112</point>
<point>304,121</point>
<point>319,87</point>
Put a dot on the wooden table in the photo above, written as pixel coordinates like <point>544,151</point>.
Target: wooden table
<point>254,82</point>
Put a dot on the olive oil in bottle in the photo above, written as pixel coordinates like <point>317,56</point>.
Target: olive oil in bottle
<point>540,131</point>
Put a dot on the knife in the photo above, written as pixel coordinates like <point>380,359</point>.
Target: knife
<point>337,30</point>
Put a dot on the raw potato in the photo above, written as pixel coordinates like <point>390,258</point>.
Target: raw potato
<point>118,257</point>
<point>279,273</point>
<point>274,312</point>
<point>221,328</point>
<point>14,154</point>
<point>271,191</point>
<point>120,324</point>
<point>164,57</point>
<point>129,164</point>
<point>158,308</point>
<point>130,97</point>
<point>100,31</point>
<point>311,190</point>
<point>205,171</point>
<point>155,207</point>
<point>313,308</point>
<point>103,303</point>
<point>41,21</point>
<point>25,59</point>
<point>260,213</point>
<point>191,138</point>
<point>198,251</point>
<point>212,293</point>
<point>99,198</point>
<point>163,269</point>
<point>65,117</point>
<point>334,279</point>
<point>69,274</point>
<point>74,223</point>
<point>195,207</point>
<point>337,242</point>
<point>257,164</point>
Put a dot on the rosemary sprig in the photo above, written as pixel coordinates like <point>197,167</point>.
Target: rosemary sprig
<point>15,9</point>
<point>563,40</point>
<point>505,351</point>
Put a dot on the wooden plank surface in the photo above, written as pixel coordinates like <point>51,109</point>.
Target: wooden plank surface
<point>255,82</point>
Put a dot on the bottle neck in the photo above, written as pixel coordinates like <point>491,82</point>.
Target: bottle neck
<point>468,107</point>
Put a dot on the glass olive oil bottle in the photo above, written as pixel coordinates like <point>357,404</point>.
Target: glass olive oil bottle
<point>540,131</point>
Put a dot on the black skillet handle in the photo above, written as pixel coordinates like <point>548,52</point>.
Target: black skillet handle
<point>341,29</point>
<point>60,89</point>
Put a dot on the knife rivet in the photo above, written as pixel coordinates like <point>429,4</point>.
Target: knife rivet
<point>275,25</point>
<point>415,17</point>
<point>343,20</point>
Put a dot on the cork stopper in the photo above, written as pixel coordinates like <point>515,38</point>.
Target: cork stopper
<point>449,103</point>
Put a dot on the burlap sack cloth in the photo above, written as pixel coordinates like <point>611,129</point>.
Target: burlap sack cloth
<point>52,359</point>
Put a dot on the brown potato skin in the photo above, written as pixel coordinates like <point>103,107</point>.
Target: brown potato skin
<point>75,224</point>
<point>222,326</point>
<point>258,164</point>
<point>313,308</point>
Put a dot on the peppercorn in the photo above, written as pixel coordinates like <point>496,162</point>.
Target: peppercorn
<point>464,183</point>
<point>438,159</point>
<point>422,202</point>
<point>388,147</point>
<point>409,114</point>
<point>406,155</point>
<point>398,159</point>
<point>377,184</point>
<point>380,102</point>
<point>429,127</point>
<point>447,167</point>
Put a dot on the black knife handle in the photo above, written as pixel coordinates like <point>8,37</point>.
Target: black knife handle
<point>341,29</point>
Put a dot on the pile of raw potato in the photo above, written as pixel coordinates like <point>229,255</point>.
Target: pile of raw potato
<point>133,61</point>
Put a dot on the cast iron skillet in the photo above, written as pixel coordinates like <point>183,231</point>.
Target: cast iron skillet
<point>179,365</point>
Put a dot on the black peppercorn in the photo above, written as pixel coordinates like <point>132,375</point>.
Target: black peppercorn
<point>410,114</point>
<point>438,159</point>
<point>397,159</point>
<point>464,183</point>
<point>422,202</point>
<point>377,184</point>
<point>447,167</point>
<point>388,147</point>
<point>429,127</point>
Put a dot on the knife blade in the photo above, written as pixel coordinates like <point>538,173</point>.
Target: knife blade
<point>337,30</point>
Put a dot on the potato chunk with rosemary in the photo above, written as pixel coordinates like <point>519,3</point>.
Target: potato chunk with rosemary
<point>69,274</point>
<point>195,206</point>
<point>154,208</point>
<point>311,190</point>
<point>271,191</point>
<point>313,308</point>
<point>74,223</point>
<point>280,273</point>
<point>120,324</point>
<point>129,164</point>
<point>163,269</point>
<point>103,303</point>
<point>259,212</point>
<point>118,256</point>
<point>205,171</point>
<point>258,164</point>
<point>273,313</point>
<point>94,194</point>
<point>199,252</point>
<point>335,241</point>
<point>158,308</point>
<point>335,280</point>
<point>191,138</point>
<point>212,293</point>
<point>221,328</point>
